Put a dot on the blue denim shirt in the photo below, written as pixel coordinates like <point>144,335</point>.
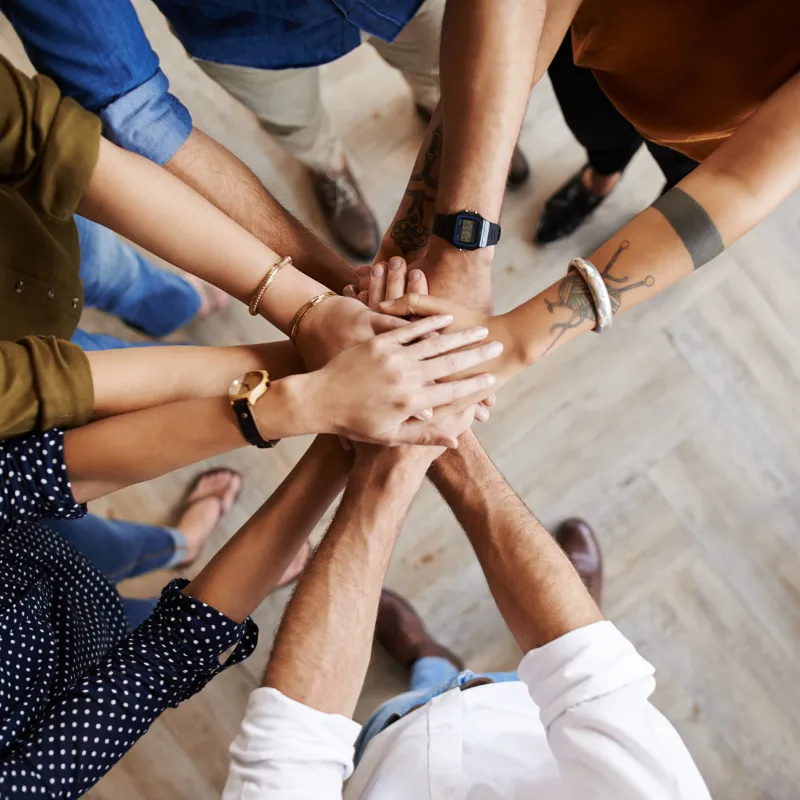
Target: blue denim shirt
<point>98,53</point>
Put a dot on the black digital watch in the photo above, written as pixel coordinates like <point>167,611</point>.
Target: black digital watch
<point>466,230</point>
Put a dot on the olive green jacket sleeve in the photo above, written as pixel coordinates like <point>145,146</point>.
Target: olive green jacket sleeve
<point>48,143</point>
<point>44,383</point>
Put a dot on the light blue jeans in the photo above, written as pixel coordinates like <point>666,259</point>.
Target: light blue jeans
<point>430,677</point>
<point>120,281</point>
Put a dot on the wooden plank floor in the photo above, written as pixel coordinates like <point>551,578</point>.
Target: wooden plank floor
<point>677,435</point>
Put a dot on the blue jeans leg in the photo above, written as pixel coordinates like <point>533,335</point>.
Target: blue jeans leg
<point>119,280</point>
<point>122,549</point>
<point>105,341</point>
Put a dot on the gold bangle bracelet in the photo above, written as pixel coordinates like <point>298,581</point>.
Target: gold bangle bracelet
<point>265,283</point>
<point>294,325</point>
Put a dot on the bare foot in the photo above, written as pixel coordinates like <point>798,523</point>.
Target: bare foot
<point>296,568</point>
<point>211,298</point>
<point>599,184</point>
<point>213,494</point>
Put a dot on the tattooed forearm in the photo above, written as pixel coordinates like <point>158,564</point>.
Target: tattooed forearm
<point>429,174</point>
<point>574,295</point>
<point>692,224</point>
<point>410,232</point>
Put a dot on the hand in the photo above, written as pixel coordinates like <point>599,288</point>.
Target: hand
<point>500,328</point>
<point>417,458</point>
<point>464,276</point>
<point>337,324</point>
<point>367,393</point>
<point>386,282</point>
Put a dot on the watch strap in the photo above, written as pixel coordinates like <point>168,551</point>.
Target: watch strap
<point>247,424</point>
<point>444,226</point>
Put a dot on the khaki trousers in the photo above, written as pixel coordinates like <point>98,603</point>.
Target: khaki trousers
<point>288,102</point>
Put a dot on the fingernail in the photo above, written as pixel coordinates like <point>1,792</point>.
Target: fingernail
<point>377,271</point>
<point>495,348</point>
<point>426,413</point>
<point>349,291</point>
<point>363,272</point>
<point>395,263</point>
<point>479,333</point>
<point>415,275</point>
<point>490,379</point>
<point>447,318</point>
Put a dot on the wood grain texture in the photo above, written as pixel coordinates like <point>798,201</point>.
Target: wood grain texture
<point>676,434</point>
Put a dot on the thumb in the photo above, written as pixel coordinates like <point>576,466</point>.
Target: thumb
<point>418,305</point>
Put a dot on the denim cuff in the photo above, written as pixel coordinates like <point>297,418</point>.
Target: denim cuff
<point>181,548</point>
<point>148,120</point>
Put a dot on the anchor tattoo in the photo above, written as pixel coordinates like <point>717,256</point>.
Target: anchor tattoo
<point>410,232</point>
<point>574,294</point>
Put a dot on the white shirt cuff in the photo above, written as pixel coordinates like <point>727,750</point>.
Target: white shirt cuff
<point>582,665</point>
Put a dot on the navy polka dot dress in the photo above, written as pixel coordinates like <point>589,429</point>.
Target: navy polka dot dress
<point>76,691</point>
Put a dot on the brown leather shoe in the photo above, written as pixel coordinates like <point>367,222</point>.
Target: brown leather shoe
<point>518,172</point>
<point>403,635</point>
<point>346,212</point>
<point>580,544</point>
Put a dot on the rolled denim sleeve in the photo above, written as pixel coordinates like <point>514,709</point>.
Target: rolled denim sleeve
<point>99,54</point>
<point>148,120</point>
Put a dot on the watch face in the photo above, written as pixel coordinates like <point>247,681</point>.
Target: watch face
<point>241,387</point>
<point>467,230</point>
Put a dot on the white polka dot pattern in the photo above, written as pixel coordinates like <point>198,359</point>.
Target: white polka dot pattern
<point>75,691</point>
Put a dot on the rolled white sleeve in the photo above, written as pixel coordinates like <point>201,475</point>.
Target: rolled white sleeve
<point>288,751</point>
<point>609,741</point>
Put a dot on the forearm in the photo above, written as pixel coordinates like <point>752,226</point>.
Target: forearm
<point>149,206</point>
<point>322,650</point>
<point>488,57</point>
<point>129,380</point>
<point>250,565</point>
<point>731,192</point>
<point>231,186</point>
<point>119,451</point>
<point>538,592</point>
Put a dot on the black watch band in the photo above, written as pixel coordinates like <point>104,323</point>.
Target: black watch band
<point>466,230</point>
<point>247,423</point>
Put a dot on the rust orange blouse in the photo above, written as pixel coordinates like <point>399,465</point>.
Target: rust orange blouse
<point>688,73</point>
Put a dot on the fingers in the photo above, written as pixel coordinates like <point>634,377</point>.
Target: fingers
<point>490,400</point>
<point>454,363</point>
<point>440,394</point>
<point>424,434</point>
<point>409,331</point>
<point>437,345</point>
<point>377,286</point>
<point>481,413</point>
<point>395,279</point>
<point>349,291</point>
<point>363,274</point>
<point>382,323</point>
<point>418,305</point>
<point>417,283</point>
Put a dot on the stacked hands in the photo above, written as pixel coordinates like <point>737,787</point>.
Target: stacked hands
<point>418,382</point>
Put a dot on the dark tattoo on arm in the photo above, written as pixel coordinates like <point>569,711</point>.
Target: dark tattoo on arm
<point>692,224</point>
<point>425,175</point>
<point>574,295</point>
<point>411,231</point>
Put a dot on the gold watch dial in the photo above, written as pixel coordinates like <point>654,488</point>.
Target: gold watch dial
<point>241,387</point>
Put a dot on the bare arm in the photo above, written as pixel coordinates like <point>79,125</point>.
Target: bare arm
<point>726,196</point>
<point>537,590</point>
<point>230,185</point>
<point>129,380</point>
<point>492,53</point>
<point>313,661</point>
<point>250,565</point>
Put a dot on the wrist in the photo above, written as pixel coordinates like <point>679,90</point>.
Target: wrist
<point>392,465</point>
<point>287,409</point>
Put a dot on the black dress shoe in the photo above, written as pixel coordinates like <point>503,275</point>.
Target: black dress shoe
<point>567,210</point>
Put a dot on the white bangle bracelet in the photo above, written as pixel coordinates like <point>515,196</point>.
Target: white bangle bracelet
<point>598,290</point>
